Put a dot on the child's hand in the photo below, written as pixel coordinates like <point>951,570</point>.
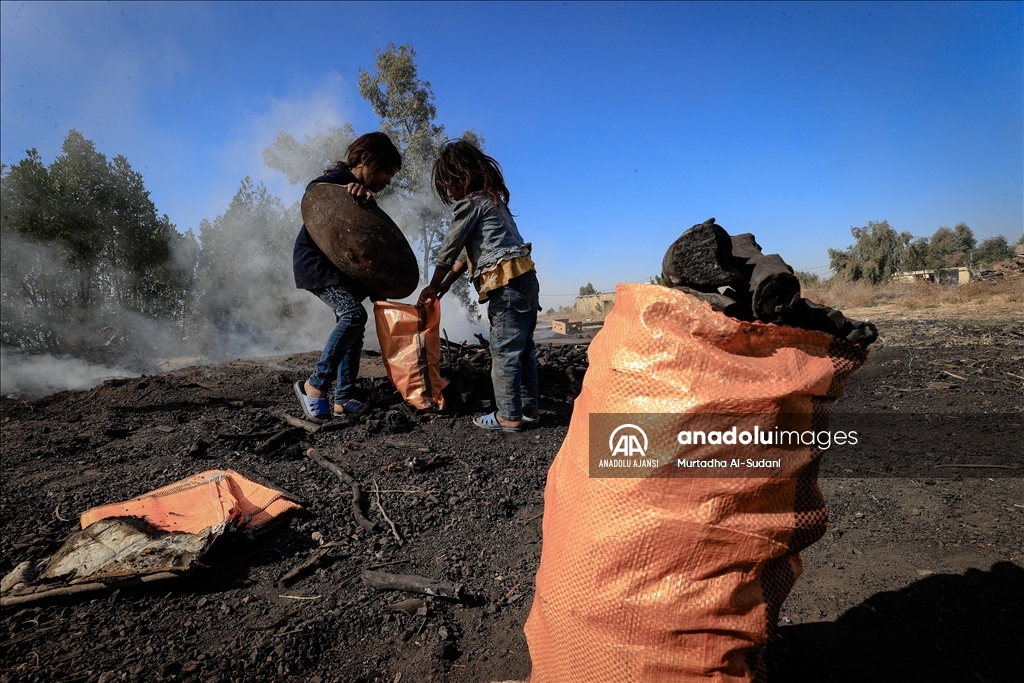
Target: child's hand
<point>359,193</point>
<point>429,294</point>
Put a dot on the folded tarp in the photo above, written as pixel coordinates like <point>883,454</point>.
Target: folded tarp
<point>215,499</point>
<point>161,534</point>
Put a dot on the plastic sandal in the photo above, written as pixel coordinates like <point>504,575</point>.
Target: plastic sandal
<point>350,407</point>
<point>490,421</point>
<point>527,420</point>
<point>313,408</point>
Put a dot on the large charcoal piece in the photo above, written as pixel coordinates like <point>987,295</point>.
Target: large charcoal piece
<point>773,287</point>
<point>811,316</point>
<point>738,279</point>
<point>700,259</point>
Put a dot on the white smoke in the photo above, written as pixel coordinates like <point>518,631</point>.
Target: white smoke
<point>27,377</point>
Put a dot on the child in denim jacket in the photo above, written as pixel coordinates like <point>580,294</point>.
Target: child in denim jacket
<point>483,239</point>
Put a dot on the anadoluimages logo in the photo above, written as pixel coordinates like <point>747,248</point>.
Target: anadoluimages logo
<point>628,442</point>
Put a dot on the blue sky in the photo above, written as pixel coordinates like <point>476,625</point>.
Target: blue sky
<point>618,125</point>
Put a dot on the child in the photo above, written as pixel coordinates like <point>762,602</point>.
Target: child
<point>370,162</point>
<point>483,239</point>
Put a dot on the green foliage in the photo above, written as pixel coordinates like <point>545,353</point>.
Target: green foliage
<point>992,250</point>
<point>656,280</point>
<point>875,255</point>
<point>806,278</point>
<point>87,264</point>
<point>916,257</point>
<point>405,105</point>
<point>303,161</point>
<point>879,251</point>
<point>587,290</point>
<point>949,248</point>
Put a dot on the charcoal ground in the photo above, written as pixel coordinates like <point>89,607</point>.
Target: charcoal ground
<point>916,579</point>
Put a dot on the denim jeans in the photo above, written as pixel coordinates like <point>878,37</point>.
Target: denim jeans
<point>512,313</point>
<point>339,363</point>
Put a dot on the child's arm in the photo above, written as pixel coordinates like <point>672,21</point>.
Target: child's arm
<point>441,282</point>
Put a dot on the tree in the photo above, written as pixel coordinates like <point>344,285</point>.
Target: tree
<point>302,162</point>
<point>992,250</point>
<point>587,290</point>
<point>807,278</point>
<point>89,268</point>
<point>246,302</point>
<point>875,255</point>
<point>915,256</point>
<point>950,247</point>
<point>405,105</point>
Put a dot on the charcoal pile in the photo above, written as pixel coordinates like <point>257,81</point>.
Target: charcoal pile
<point>1008,270</point>
<point>560,370</point>
<point>467,367</point>
<point>733,275</point>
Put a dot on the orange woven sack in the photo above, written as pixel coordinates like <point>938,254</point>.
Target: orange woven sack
<point>410,344</point>
<point>680,579</point>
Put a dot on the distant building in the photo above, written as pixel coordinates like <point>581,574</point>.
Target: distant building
<point>944,276</point>
<point>594,305</point>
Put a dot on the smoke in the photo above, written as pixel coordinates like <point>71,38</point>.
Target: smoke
<point>239,299</point>
<point>31,376</point>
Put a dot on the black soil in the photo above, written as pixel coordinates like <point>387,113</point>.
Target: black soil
<point>916,579</point>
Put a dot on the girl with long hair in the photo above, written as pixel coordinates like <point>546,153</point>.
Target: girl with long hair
<point>484,240</point>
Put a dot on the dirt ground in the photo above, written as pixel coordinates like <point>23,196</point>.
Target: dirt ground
<point>916,579</point>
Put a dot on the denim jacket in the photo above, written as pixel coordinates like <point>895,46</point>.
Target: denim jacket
<point>486,231</point>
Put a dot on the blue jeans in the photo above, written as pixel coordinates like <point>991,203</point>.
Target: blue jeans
<point>339,363</point>
<point>512,313</point>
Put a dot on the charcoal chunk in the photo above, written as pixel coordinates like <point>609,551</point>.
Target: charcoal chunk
<point>701,259</point>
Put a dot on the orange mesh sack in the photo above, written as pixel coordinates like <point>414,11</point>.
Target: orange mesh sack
<point>410,345</point>
<point>680,578</point>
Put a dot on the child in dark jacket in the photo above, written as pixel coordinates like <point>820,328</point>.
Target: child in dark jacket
<point>370,162</point>
<point>483,239</point>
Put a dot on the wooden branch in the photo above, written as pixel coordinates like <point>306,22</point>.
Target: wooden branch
<point>357,493</point>
<point>244,437</point>
<point>1000,467</point>
<point>16,600</point>
<point>315,556</point>
<point>310,427</point>
<point>376,493</point>
<point>276,440</point>
<point>412,584</point>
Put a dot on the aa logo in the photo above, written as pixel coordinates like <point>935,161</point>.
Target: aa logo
<point>631,441</point>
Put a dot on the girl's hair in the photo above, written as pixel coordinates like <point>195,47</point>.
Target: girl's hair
<point>374,150</point>
<point>462,169</point>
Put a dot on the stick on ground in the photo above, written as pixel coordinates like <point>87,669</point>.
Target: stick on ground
<point>376,495</point>
<point>357,493</point>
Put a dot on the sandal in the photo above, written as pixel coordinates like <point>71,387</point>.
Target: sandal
<point>527,420</point>
<point>490,422</point>
<point>350,407</point>
<point>313,408</point>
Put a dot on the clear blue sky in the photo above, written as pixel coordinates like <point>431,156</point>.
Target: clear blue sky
<point>618,125</point>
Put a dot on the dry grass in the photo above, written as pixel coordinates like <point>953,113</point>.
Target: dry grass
<point>998,299</point>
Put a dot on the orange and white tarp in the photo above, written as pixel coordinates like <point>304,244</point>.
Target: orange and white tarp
<point>217,499</point>
<point>679,579</point>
